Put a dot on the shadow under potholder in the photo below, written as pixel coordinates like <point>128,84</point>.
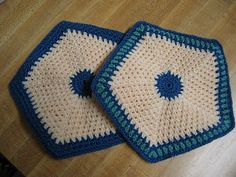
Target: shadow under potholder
<point>166,92</point>
<point>52,88</point>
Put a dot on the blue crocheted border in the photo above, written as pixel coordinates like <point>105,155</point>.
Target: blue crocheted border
<point>110,102</point>
<point>23,101</point>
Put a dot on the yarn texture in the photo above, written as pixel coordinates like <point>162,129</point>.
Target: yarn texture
<point>166,92</point>
<point>52,88</point>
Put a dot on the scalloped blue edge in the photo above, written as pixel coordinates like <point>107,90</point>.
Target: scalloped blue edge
<point>23,102</point>
<point>109,101</point>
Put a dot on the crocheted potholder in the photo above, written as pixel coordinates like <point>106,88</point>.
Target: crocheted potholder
<point>52,88</point>
<point>167,92</point>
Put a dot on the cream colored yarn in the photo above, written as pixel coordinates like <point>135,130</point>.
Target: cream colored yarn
<point>158,119</point>
<point>68,116</point>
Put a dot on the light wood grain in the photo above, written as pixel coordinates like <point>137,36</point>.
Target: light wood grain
<point>23,23</point>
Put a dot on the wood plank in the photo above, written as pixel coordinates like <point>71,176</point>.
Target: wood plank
<point>8,109</point>
<point>24,10</point>
<point>28,156</point>
<point>84,165</point>
<point>49,166</point>
<point>7,8</point>
<point>13,138</point>
<point>129,13</point>
<point>30,32</point>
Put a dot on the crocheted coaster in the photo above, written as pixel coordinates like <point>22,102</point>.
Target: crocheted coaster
<point>166,92</point>
<point>52,88</point>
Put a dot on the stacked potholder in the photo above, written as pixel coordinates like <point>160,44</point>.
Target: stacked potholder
<point>52,88</point>
<point>166,92</point>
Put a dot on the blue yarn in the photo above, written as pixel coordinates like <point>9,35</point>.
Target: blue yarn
<point>116,110</point>
<point>22,99</point>
<point>169,85</point>
<point>81,82</point>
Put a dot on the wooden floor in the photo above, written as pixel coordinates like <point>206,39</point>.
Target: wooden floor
<point>23,23</point>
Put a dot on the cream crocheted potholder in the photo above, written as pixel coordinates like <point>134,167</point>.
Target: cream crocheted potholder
<point>166,92</point>
<point>52,88</point>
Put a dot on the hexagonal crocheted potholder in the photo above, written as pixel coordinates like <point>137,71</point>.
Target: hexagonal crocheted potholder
<point>52,88</point>
<point>166,92</point>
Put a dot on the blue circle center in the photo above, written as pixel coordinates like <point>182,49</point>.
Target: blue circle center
<point>81,83</point>
<point>169,85</point>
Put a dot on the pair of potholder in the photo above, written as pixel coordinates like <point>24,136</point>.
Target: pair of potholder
<point>166,92</point>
